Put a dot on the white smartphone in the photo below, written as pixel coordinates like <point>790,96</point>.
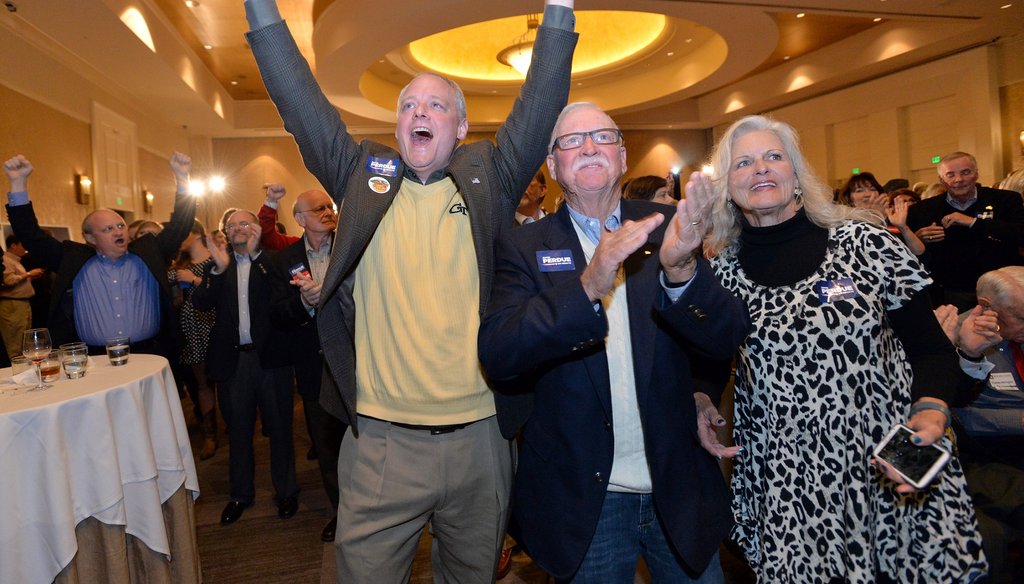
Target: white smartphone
<point>918,465</point>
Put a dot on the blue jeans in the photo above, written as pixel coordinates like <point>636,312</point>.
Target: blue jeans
<point>629,527</point>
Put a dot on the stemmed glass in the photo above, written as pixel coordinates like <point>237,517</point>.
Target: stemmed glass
<point>35,346</point>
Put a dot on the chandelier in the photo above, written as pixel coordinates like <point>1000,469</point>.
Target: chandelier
<point>518,54</point>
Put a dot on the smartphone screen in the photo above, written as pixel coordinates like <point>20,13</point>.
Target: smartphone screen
<point>918,464</point>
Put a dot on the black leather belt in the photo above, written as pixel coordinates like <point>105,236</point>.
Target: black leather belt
<point>434,430</point>
<point>247,347</point>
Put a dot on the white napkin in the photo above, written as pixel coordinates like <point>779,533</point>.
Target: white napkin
<point>25,377</point>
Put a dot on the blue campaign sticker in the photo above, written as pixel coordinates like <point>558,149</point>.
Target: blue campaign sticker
<point>382,166</point>
<point>555,260</point>
<point>832,290</point>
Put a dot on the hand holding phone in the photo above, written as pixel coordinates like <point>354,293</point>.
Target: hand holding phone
<point>917,465</point>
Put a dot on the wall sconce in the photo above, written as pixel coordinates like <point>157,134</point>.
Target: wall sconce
<point>147,201</point>
<point>83,189</point>
<point>1022,142</point>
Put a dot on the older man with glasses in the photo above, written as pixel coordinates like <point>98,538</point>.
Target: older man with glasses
<point>597,309</point>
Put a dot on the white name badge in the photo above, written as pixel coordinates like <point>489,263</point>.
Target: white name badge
<point>1003,382</point>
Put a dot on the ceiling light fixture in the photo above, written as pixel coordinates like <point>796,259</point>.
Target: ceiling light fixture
<point>800,14</point>
<point>879,19</point>
<point>519,53</point>
<point>191,3</point>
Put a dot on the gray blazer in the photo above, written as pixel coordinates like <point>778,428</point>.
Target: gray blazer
<point>490,175</point>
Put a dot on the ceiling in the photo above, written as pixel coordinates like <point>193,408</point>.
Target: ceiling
<point>706,62</point>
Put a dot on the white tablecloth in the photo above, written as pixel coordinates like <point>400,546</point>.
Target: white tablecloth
<point>112,445</point>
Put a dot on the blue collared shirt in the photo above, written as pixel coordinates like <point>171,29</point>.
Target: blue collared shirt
<point>591,227</point>
<point>116,298</point>
<point>962,206</point>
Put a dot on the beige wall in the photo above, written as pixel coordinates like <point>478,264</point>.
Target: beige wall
<point>57,145</point>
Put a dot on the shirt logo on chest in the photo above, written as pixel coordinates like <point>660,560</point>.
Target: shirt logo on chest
<point>458,208</point>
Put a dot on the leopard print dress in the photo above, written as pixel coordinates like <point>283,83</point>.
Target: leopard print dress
<point>818,385</point>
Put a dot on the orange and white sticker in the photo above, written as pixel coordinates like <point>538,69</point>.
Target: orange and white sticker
<point>379,185</point>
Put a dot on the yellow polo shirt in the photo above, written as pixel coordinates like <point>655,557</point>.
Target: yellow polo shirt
<point>417,299</point>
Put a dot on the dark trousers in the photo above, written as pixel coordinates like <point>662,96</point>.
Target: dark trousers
<point>325,431</point>
<point>250,387</point>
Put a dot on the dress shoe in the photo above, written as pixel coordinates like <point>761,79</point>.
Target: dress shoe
<point>233,511</point>
<point>327,535</point>
<point>287,507</point>
<point>504,563</point>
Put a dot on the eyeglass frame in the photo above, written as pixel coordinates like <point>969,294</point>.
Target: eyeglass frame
<point>583,138</point>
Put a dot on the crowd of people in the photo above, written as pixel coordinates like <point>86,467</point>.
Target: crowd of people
<point>470,363</point>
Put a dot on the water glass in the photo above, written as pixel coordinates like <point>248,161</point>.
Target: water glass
<point>19,364</point>
<point>74,357</point>
<point>118,350</point>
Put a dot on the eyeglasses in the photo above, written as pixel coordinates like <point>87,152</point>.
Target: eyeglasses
<point>240,225</point>
<point>319,210</point>
<point>601,137</point>
<point>109,228</point>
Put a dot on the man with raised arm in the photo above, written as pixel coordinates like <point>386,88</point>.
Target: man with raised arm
<point>110,287</point>
<point>400,304</point>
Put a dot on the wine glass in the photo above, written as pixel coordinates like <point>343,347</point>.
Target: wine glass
<point>35,346</point>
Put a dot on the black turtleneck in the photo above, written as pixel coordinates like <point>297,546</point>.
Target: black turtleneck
<point>784,254</point>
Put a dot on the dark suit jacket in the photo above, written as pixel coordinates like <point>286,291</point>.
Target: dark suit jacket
<point>490,175</point>
<point>66,259</point>
<point>293,321</point>
<point>220,291</point>
<point>541,326</point>
<point>965,254</point>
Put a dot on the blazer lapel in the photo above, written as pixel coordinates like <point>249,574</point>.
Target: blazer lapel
<point>642,268</point>
<point>562,235</point>
<point>469,174</point>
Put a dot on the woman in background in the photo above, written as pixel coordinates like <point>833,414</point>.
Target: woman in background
<point>186,272</point>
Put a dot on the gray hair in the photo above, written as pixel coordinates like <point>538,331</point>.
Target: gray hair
<point>956,156</point>
<point>1003,287</point>
<point>816,199</point>
<point>460,98</point>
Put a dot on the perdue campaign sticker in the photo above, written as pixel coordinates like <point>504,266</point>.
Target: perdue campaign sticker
<point>382,166</point>
<point>298,269</point>
<point>379,185</point>
<point>555,260</point>
<point>832,290</point>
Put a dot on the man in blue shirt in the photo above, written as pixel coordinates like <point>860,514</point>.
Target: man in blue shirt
<point>109,287</point>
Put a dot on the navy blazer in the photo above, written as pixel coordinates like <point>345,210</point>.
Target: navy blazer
<point>542,329</point>
<point>220,291</point>
<point>292,319</point>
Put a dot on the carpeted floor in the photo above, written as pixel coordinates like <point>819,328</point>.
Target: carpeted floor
<point>262,548</point>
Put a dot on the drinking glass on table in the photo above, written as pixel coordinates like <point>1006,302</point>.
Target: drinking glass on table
<point>36,346</point>
<point>117,350</point>
<point>50,367</point>
<point>75,358</point>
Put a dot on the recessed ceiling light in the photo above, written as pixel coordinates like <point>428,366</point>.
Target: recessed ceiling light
<point>207,47</point>
<point>879,19</point>
<point>191,3</point>
<point>1005,6</point>
<point>579,83</point>
<point>786,58</point>
<point>234,83</point>
<point>800,14</point>
<point>689,40</point>
<point>669,54</point>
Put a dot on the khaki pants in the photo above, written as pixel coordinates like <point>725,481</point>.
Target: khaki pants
<point>15,319</point>
<point>395,480</point>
